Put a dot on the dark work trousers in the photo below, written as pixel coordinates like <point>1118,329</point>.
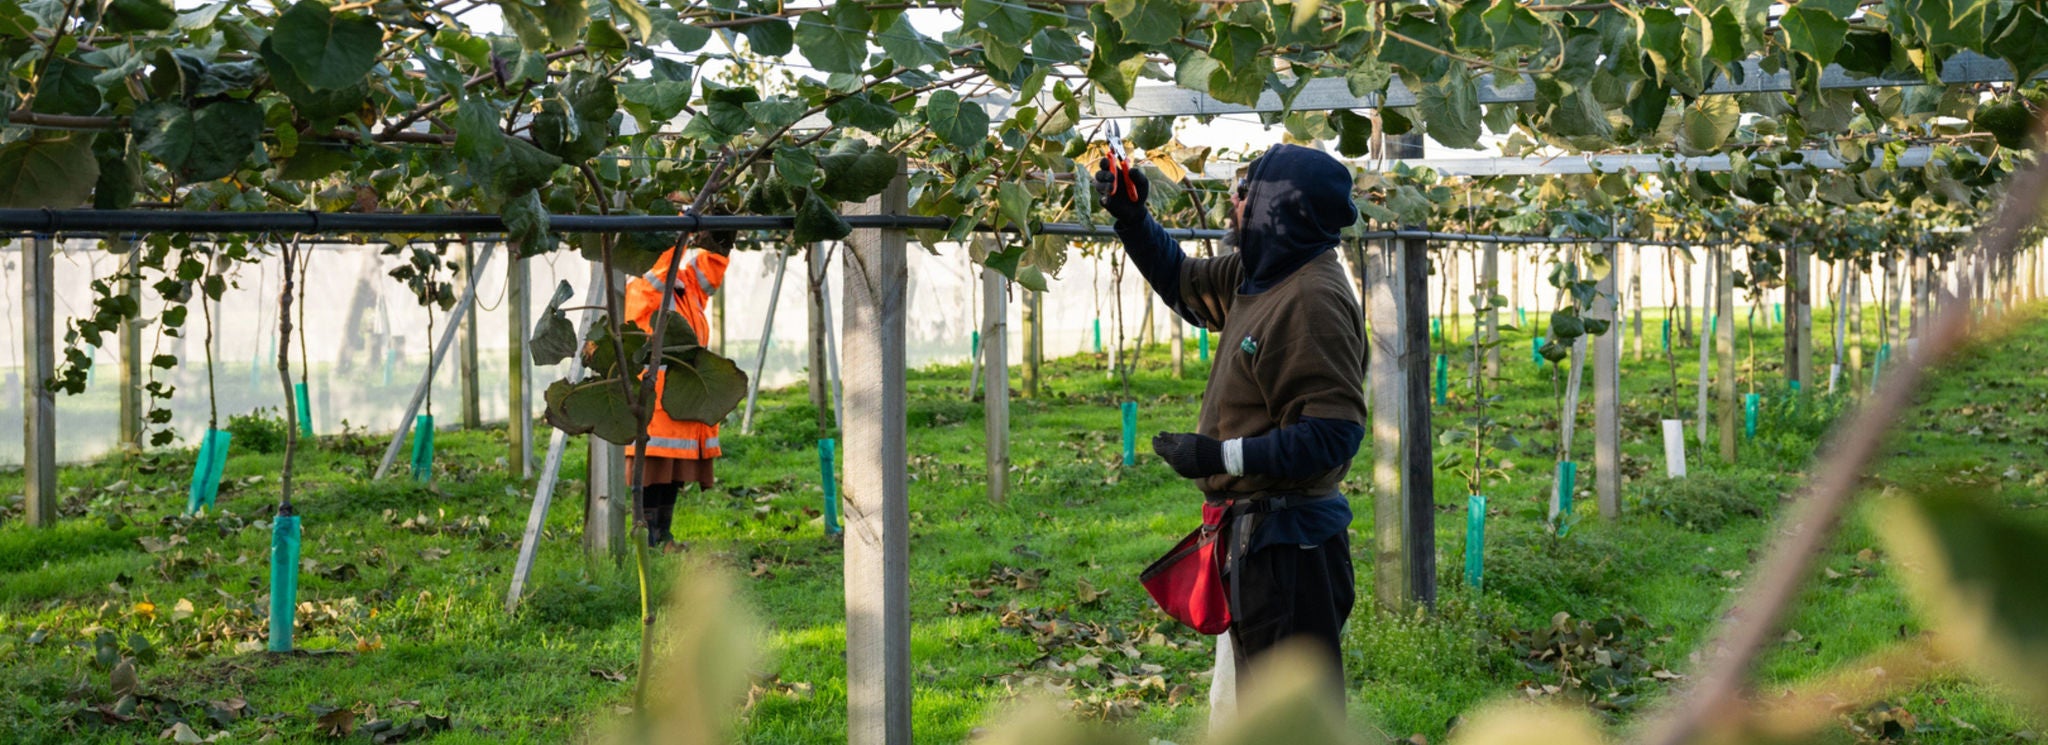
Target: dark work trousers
<point>1284,592</point>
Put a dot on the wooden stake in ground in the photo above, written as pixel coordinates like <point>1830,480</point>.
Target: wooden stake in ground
<point>878,677</point>
<point>519,408</point>
<point>1607,390</point>
<point>821,392</point>
<point>1730,413</point>
<point>995,351</point>
<point>472,405</point>
<point>1387,380</point>
<point>38,402</point>
<point>1418,442</point>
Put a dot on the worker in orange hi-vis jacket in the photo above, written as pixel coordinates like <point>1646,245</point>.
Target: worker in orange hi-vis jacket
<point>678,452</point>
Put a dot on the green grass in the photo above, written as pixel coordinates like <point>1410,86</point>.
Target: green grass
<point>405,613</point>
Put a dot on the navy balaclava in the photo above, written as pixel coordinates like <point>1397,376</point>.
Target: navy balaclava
<point>1298,201</point>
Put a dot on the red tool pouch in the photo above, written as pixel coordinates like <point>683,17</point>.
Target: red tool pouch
<point>1187,582</point>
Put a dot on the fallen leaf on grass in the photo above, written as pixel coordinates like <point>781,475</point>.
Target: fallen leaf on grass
<point>336,722</point>
<point>434,554</point>
<point>123,679</point>
<point>615,676</point>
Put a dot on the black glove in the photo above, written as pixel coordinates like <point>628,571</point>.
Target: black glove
<point>1116,198</point>
<point>1191,455</point>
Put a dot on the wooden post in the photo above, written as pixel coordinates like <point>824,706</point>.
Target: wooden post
<point>1706,348</point>
<point>472,406</point>
<point>1418,443</point>
<point>1635,295</point>
<point>1607,391</point>
<point>607,499</point>
<point>995,350</point>
<point>1388,384</point>
<point>1731,413</point>
<point>38,402</point>
<point>1791,330</point>
<point>877,549</point>
<point>1568,425</point>
<point>1804,300</point>
<point>1034,348</point>
<point>821,393</point>
<point>1489,286</point>
<point>1854,307</point>
<point>519,410</point>
<point>131,348</point>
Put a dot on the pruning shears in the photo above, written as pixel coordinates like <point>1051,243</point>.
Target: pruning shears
<point>1120,165</point>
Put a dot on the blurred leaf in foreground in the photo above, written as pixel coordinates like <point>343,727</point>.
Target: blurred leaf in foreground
<point>1976,571</point>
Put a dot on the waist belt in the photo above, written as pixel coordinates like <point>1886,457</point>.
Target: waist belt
<point>1267,502</point>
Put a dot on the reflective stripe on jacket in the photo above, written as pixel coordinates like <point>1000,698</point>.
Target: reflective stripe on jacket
<point>701,274</point>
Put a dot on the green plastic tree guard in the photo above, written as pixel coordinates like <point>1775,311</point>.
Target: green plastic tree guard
<point>1667,334</point>
<point>826,447</point>
<point>305,409</point>
<point>1567,485</point>
<point>1130,433</point>
<point>1521,317</point>
<point>1778,313</point>
<point>1536,351</point>
<point>1475,541</point>
<point>974,344</point>
<point>1203,343</point>
<point>423,448</point>
<point>1098,336</point>
<point>390,363</point>
<point>1443,378</point>
<point>284,578</point>
<point>207,466</point>
<point>1750,416</point>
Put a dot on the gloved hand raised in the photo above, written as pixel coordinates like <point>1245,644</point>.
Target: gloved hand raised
<point>1115,198</point>
<point>1191,455</point>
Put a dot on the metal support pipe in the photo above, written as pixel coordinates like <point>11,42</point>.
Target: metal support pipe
<point>767,333</point>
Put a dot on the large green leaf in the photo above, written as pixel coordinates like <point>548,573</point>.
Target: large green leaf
<point>1723,34</point>
<point>126,16</point>
<point>907,48</point>
<point>595,407</point>
<point>865,110</point>
<point>120,172</point>
<point>2023,42</point>
<point>554,336</point>
<point>700,386</point>
<point>1013,202</point>
<point>1976,570</point>
<point>770,38</point>
<point>565,20</point>
<point>1515,26</point>
<point>836,40</point>
<point>327,51</point>
<point>961,123</point>
<point>200,144</point>
<point>1816,33</point>
<point>816,221</point>
<point>66,87</point>
<point>57,172</point>
<point>1661,34</point>
<point>1146,21</point>
<point>1450,109</point>
<point>656,102</point>
<point>521,167</point>
<point>320,107</point>
<point>1707,123</point>
<point>854,172</point>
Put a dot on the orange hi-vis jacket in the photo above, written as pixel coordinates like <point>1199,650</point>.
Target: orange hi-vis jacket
<point>700,275</point>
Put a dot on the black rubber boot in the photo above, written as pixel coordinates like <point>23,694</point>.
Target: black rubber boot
<point>660,510</point>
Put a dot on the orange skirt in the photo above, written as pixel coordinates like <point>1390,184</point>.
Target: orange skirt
<point>662,470</point>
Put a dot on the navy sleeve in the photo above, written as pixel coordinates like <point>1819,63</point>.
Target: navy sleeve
<point>1159,259</point>
<point>1303,450</point>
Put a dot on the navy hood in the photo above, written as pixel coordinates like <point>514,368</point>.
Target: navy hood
<point>1298,202</point>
